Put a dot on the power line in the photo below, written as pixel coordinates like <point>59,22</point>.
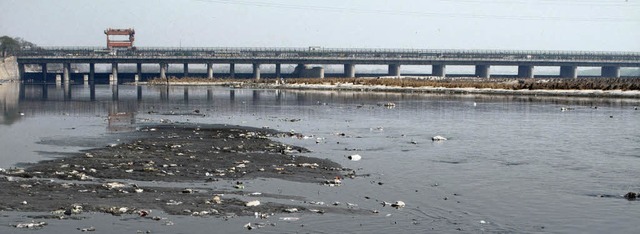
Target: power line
<point>416,13</point>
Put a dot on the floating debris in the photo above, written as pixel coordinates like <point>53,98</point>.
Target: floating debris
<point>289,218</point>
<point>398,204</point>
<point>438,138</point>
<point>355,157</point>
<point>88,229</point>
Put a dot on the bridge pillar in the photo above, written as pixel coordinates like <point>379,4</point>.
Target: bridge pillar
<point>525,71</point>
<point>186,70</point>
<point>92,72</point>
<point>44,72</point>
<point>210,70</point>
<point>483,71</point>
<point>21,71</point>
<point>256,71</point>
<point>278,70</point>
<point>610,71</point>
<point>394,70</point>
<point>139,70</point>
<point>568,72</point>
<point>114,73</point>
<point>350,70</point>
<point>438,70</point>
<point>163,71</point>
<point>232,70</point>
<point>66,67</point>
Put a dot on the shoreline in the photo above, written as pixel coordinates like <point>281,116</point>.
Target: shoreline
<point>350,86</point>
<point>178,168</point>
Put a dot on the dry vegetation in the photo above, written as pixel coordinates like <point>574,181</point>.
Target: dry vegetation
<point>624,84</point>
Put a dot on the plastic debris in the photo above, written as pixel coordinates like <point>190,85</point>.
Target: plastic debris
<point>438,138</point>
<point>252,203</point>
<point>89,229</point>
<point>334,182</point>
<point>291,210</point>
<point>289,218</point>
<point>32,224</point>
<point>355,157</point>
<point>398,204</point>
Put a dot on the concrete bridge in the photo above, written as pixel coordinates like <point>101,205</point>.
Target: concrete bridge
<point>610,63</point>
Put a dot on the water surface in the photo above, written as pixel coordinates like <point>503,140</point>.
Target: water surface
<point>511,164</point>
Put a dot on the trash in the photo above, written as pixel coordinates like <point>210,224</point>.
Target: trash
<point>248,226</point>
<point>335,182</point>
<point>259,215</point>
<point>23,202</point>
<point>631,196</point>
<point>216,200</point>
<point>32,224</point>
<point>252,203</point>
<point>89,229</point>
<point>438,138</point>
<point>174,203</point>
<point>390,105</point>
<point>143,213</point>
<point>291,210</point>
<point>398,204</point>
<point>289,218</point>
<point>483,222</point>
<point>355,157</point>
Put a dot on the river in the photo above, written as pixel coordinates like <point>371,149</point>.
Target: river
<point>520,164</point>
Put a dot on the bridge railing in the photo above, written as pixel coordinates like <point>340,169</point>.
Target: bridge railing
<point>310,52</point>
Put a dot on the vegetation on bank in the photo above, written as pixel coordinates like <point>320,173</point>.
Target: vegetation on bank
<point>10,46</point>
<point>624,84</point>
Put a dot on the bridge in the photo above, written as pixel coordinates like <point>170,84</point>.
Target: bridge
<point>610,63</point>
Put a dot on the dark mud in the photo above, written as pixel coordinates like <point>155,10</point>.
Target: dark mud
<point>150,173</point>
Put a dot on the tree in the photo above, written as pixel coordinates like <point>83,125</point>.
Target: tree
<point>8,46</point>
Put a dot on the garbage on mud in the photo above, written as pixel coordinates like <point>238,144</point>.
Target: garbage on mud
<point>252,203</point>
<point>334,182</point>
<point>31,225</point>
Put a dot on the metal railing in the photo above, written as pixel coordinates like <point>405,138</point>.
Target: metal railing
<point>319,52</point>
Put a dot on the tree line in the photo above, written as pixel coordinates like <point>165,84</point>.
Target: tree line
<point>9,46</point>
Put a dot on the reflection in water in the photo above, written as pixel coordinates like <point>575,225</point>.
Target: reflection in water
<point>16,97</point>
<point>504,155</point>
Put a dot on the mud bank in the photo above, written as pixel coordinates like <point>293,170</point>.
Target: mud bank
<point>152,171</point>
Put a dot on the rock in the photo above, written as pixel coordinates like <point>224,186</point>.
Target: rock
<point>438,138</point>
<point>252,203</point>
<point>355,157</point>
<point>631,196</point>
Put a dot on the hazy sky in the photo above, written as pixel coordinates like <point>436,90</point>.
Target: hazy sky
<point>609,25</point>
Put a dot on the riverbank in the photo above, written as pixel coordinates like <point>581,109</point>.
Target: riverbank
<point>8,68</point>
<point>152,172</point>
<point>583,87</point>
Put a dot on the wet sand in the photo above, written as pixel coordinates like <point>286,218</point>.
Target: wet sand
<point>150,173</point>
